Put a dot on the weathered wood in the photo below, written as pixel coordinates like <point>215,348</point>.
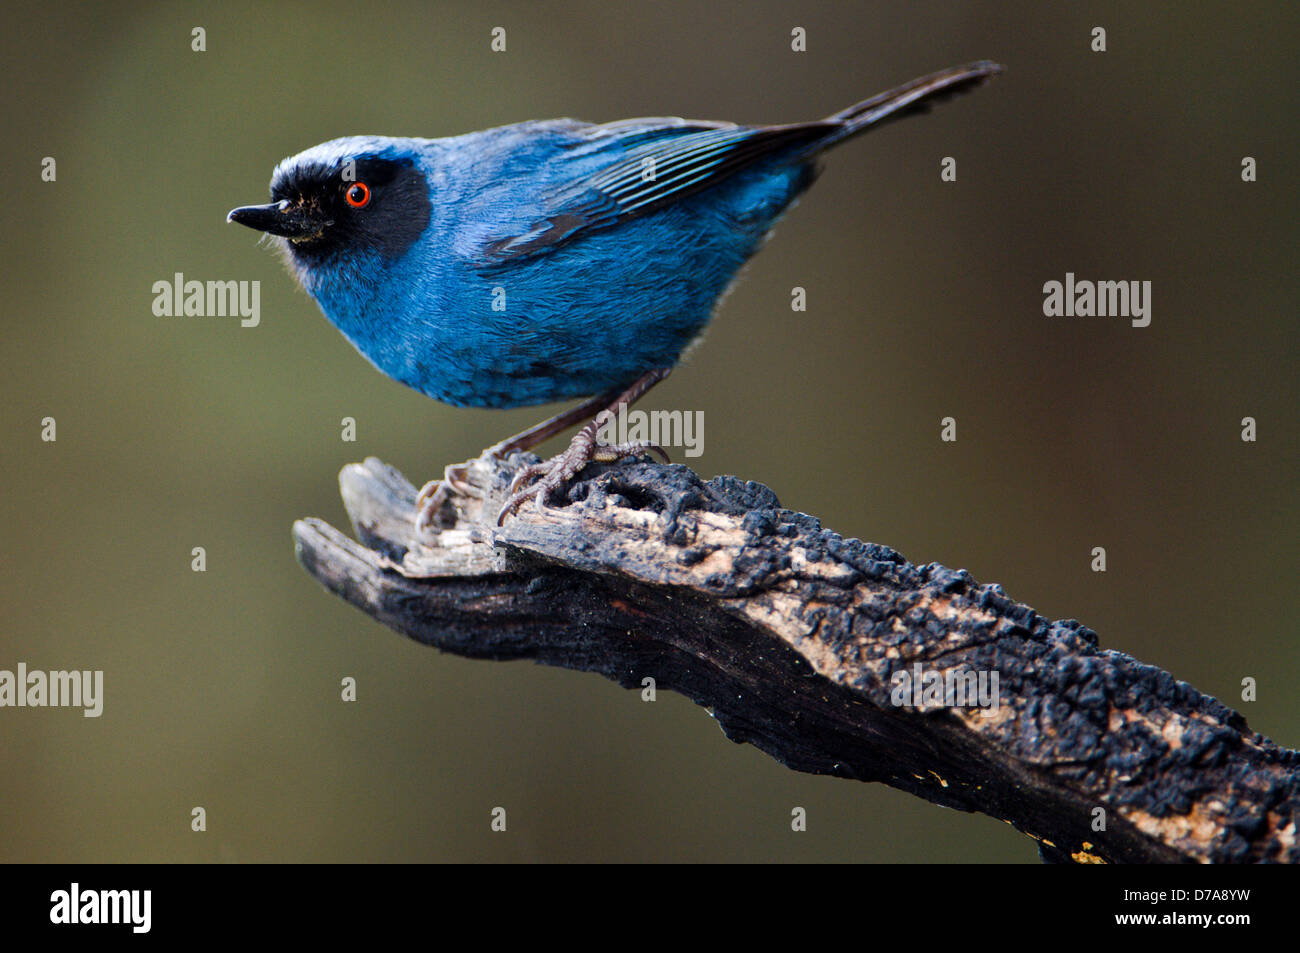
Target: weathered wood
<point>790,635</point>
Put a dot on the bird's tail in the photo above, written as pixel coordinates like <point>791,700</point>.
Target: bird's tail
<point>906,100</point>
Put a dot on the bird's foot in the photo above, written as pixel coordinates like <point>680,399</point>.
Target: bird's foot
<point>538,480</point>
<point>436,494</point>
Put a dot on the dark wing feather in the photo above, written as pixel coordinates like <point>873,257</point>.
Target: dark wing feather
<point>685,157</point>
<point>650,176</point>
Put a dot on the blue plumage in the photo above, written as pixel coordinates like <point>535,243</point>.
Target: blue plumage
<point>473,327</point>
<point>556,259</point>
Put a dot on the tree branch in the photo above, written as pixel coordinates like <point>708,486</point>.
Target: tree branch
<point>794,638</point>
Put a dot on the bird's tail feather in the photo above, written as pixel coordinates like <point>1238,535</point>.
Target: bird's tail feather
<point>906,100</point>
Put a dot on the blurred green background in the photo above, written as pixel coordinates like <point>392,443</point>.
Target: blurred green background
<point>925,300</point>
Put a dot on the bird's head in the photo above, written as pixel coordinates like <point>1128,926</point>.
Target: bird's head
<point>344,198</point>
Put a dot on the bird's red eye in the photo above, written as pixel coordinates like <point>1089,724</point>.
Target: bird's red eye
<point>359,195</point>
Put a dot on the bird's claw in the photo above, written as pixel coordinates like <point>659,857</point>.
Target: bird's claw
<point>558,470</point>
<point>435,494</point>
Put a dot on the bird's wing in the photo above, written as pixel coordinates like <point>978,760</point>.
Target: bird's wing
<point>647,167</point>
<point>621,170</point>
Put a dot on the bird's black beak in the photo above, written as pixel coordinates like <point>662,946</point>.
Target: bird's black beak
<point>281,218</point>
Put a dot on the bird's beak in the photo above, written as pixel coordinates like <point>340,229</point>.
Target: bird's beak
<point>281,218</point>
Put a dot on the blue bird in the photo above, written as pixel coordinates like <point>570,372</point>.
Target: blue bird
<point>546,260</point>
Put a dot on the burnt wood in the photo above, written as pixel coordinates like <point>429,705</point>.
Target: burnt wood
<point>791,636</point>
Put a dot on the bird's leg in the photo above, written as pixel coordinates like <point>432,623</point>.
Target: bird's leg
<point>434,494</point>
<point>558,470</point>
<point>549,428</point>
